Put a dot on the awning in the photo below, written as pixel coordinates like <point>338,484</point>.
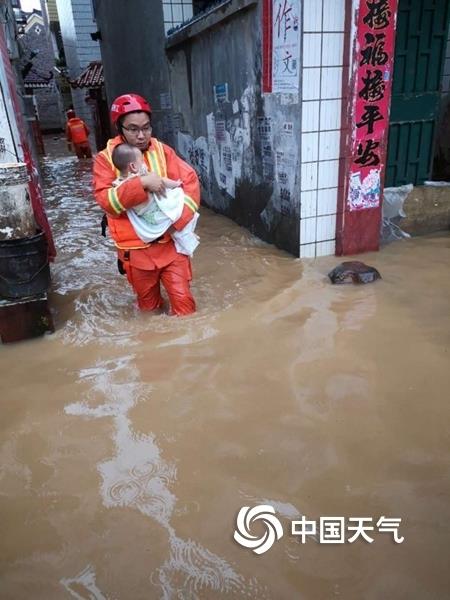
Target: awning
<point>91,77</point>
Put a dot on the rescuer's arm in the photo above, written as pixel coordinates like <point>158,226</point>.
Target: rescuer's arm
<point>115,201</point>
<point>179,169</point>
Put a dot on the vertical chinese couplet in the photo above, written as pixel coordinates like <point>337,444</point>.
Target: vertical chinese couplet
<point>370,118</point>
<point>286,46</point>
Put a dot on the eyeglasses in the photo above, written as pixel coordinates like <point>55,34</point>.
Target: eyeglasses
<point>135,130</point>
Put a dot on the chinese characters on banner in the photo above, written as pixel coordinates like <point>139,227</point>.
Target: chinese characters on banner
<point>285,46</point>
<point>374,56</point>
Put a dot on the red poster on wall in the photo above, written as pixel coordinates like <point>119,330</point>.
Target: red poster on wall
<point>371,101</point>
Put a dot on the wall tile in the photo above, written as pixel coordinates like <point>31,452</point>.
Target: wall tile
<point>329,144</point>
<point>333,15</point>
<point>310,116</point>
<point>328,174</point>
<point>177,12</point>
<point>326,248</point>
<point>308,230</point>
<point>309,176</point>
<point>167,9</point>
<point>311,84</point>
<point>312,15</point>
<point>310,147</point>
<point>331,83</point>
<point>187,11</point>
<point>327,201</point>
<point>326,228</point>
<point>330,114</point>
<point>312,46</point>
<point>307,250</point>
<point>332,49</point>
<point>308,204</point>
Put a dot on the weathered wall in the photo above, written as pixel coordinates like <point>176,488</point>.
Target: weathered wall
<point>133,56</point>
<point>245,145</point>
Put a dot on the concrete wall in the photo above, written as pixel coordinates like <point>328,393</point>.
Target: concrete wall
<point>134,58</point>
<point>248,160</point>
<point>282,182</point>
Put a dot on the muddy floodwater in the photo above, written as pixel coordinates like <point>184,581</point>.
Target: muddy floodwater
<point>129,442</point>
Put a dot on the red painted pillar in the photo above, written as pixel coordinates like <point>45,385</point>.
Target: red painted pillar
<point>362,172</point>
<point>267,10</point>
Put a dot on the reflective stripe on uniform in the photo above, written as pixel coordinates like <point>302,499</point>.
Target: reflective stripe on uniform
<point>161,158</point>
<point>154,162</point>
<point>189,202</point>
<point>108,155</point>
<point>114,201</point>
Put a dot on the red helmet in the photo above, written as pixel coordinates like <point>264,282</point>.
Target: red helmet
<point>70,114</point>
<point>126,104</point>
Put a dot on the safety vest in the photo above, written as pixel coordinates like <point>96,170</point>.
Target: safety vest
<point>77,131</point>
<point>120,228</point>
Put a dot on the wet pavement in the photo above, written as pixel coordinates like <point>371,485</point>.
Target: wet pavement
<point>130,442</point>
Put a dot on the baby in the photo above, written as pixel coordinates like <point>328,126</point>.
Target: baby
<point>153,218</point>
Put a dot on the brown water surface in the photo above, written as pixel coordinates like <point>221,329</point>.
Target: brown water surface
<point>129,442</point>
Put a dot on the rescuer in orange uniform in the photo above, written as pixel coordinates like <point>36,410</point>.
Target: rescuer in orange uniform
<point>146,264</point>
<point>77,134</point>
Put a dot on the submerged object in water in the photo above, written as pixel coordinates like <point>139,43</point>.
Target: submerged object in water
<point>353,272</point>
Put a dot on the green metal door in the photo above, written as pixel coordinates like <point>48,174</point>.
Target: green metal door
<point>421,38</point>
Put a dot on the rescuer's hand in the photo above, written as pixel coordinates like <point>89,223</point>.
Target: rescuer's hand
<point>153,183</point>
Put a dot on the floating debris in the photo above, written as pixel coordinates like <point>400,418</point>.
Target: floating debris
<point>353,272</point>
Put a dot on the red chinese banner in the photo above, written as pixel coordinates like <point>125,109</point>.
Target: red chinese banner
<point>371,101</point>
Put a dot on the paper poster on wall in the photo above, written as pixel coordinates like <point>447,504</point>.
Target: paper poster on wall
<point>221,93</point>
<point>165,101</point>
<point>286,46</point>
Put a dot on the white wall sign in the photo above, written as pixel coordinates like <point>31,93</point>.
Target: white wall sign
<point>286,46</point>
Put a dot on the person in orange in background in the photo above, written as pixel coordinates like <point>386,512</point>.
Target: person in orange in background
<point>77,136</point>
<point>146,264</point>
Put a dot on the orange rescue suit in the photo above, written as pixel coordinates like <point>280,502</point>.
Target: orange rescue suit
<point>137,256</point>
<point>163,161</point>
<point>77,131</point>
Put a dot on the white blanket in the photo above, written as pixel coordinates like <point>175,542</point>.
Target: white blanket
<point>152,219</point>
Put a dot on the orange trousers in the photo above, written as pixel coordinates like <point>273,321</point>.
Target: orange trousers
<point>175,278</point>
<point>83,150</point>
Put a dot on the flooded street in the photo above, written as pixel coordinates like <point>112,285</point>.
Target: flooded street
<point>129,442</point>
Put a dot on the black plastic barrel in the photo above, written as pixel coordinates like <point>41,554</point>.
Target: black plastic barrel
<point>24,268</point>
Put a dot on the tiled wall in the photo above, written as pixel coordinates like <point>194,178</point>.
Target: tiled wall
<point>88,49</point>
<point>176,12</point>
<point>323,41</point>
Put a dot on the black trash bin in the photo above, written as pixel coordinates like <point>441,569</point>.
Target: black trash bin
<point>24,268</point>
